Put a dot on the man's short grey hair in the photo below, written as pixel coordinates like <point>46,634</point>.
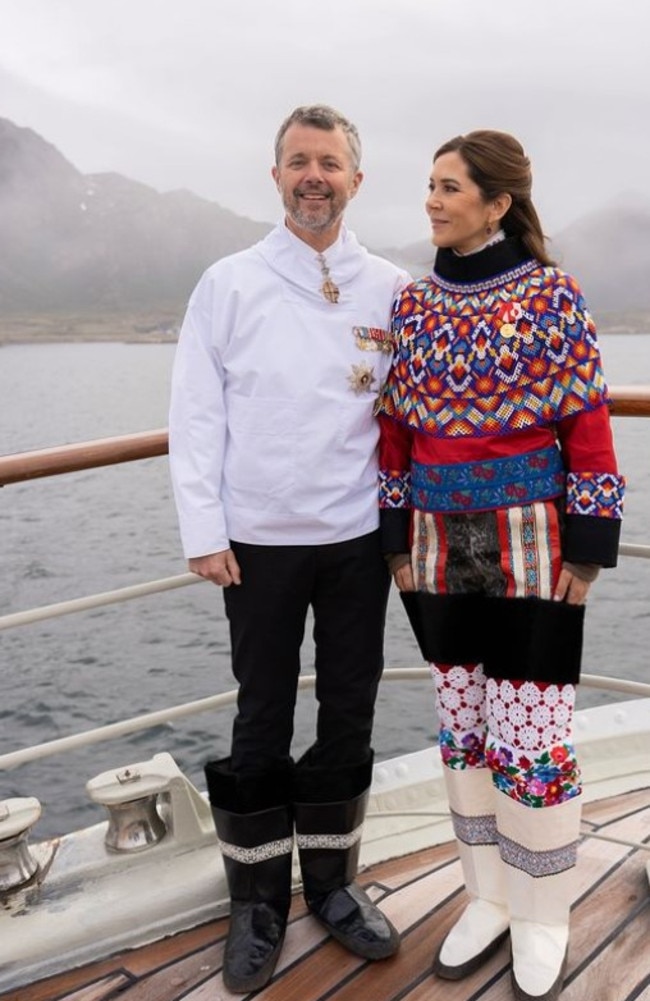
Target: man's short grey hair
<point>321,116</point>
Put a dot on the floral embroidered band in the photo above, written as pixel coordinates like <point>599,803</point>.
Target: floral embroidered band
<point>493,483</point>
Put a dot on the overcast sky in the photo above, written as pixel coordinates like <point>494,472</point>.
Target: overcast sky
<point>189,94</point>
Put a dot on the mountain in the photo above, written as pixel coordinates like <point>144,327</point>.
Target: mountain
<point>73,241</point>
<point>105,246</point>
<point>609,253</point>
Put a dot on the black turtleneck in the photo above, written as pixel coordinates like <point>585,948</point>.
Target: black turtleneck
<point>494,260</point>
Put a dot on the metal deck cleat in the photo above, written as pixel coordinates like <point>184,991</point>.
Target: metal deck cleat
<point>17,865</point>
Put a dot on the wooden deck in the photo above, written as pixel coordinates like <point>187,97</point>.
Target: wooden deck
<point>422,894</point>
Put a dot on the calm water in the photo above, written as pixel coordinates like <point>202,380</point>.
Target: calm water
<point>104,529</point>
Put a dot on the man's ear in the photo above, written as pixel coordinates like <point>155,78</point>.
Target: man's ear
<point>356,183</point>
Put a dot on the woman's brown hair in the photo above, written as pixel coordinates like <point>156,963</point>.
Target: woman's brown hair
<point>497,163</point>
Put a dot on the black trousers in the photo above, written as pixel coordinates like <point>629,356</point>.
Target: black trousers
<point>346,584</point>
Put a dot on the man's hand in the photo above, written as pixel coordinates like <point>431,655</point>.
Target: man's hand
<point>221,568</point>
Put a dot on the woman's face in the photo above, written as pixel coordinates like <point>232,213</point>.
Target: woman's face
<point>459,214</point>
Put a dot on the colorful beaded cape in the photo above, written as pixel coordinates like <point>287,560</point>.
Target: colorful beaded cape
<point>514,351</point>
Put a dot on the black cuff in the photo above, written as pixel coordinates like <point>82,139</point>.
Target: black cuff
<point>589,539</point>
<point>315,784</point>
<point>395,530</point>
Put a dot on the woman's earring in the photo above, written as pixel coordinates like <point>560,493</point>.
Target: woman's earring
<point>488,229</point>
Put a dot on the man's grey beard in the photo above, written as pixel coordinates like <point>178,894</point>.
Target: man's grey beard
<point>313,223</point>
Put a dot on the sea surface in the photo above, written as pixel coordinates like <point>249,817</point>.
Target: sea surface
<point>95,531</point>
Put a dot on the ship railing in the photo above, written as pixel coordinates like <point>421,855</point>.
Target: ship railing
<point>627,401</point>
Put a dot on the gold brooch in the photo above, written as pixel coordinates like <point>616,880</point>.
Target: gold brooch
<point>329,288</point>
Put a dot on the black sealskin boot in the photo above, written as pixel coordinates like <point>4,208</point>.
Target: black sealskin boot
<point>328,833</point>
<point>256,845</point>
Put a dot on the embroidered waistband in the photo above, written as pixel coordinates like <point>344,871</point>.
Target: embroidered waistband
<point>489,484</point>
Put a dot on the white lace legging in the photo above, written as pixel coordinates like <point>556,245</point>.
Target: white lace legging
<point>521,730</point>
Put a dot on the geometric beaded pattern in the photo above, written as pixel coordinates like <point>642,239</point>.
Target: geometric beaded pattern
<point>260,853</point>
<point>599,494</point>
<point>461,370</point>
<point>394,489</point>
<point>333,841</point>
<point>538,863</point>
<point>475,830</point>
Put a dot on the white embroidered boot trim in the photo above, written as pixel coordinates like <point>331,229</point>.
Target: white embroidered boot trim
<point>482,927</point>
<point>538,846</point>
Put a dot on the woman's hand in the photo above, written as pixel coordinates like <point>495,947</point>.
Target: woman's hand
<point>404,578</point>
<point>571,588</point>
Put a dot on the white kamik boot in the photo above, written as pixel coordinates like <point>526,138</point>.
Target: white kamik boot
<point>538,846</point>
<point>483,926</point>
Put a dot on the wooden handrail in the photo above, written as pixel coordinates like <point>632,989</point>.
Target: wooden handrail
<point>627,401</point>
<point>630,401</point>
<point>84,455</point>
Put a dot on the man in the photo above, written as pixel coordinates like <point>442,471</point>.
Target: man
<point>273,458</point>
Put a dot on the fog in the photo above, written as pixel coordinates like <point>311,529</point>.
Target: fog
<point>190,95</point>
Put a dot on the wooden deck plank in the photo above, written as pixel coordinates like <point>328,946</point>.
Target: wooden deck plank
<point>618,969</point>
<point>624,891</point>
<point>131,963</point>
<point>102,989</point>
<point>141,961</point>
<point>89,989</point>
<point>602,811</point>
<point>393,873</point>
<point>84,985</point>
<point>388,979</point>
<point>167,982</point>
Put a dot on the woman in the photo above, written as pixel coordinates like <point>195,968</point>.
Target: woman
<point>500,500</point>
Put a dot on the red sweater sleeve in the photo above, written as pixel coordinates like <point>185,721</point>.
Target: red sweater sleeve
<point>594,488</point>
<point>395,444</point>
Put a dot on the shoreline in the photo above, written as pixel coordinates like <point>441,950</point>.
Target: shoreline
<point>163,326</point>
<point>157,326</point>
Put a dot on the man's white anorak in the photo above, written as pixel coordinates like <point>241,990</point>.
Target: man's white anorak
<point>272,433</point>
